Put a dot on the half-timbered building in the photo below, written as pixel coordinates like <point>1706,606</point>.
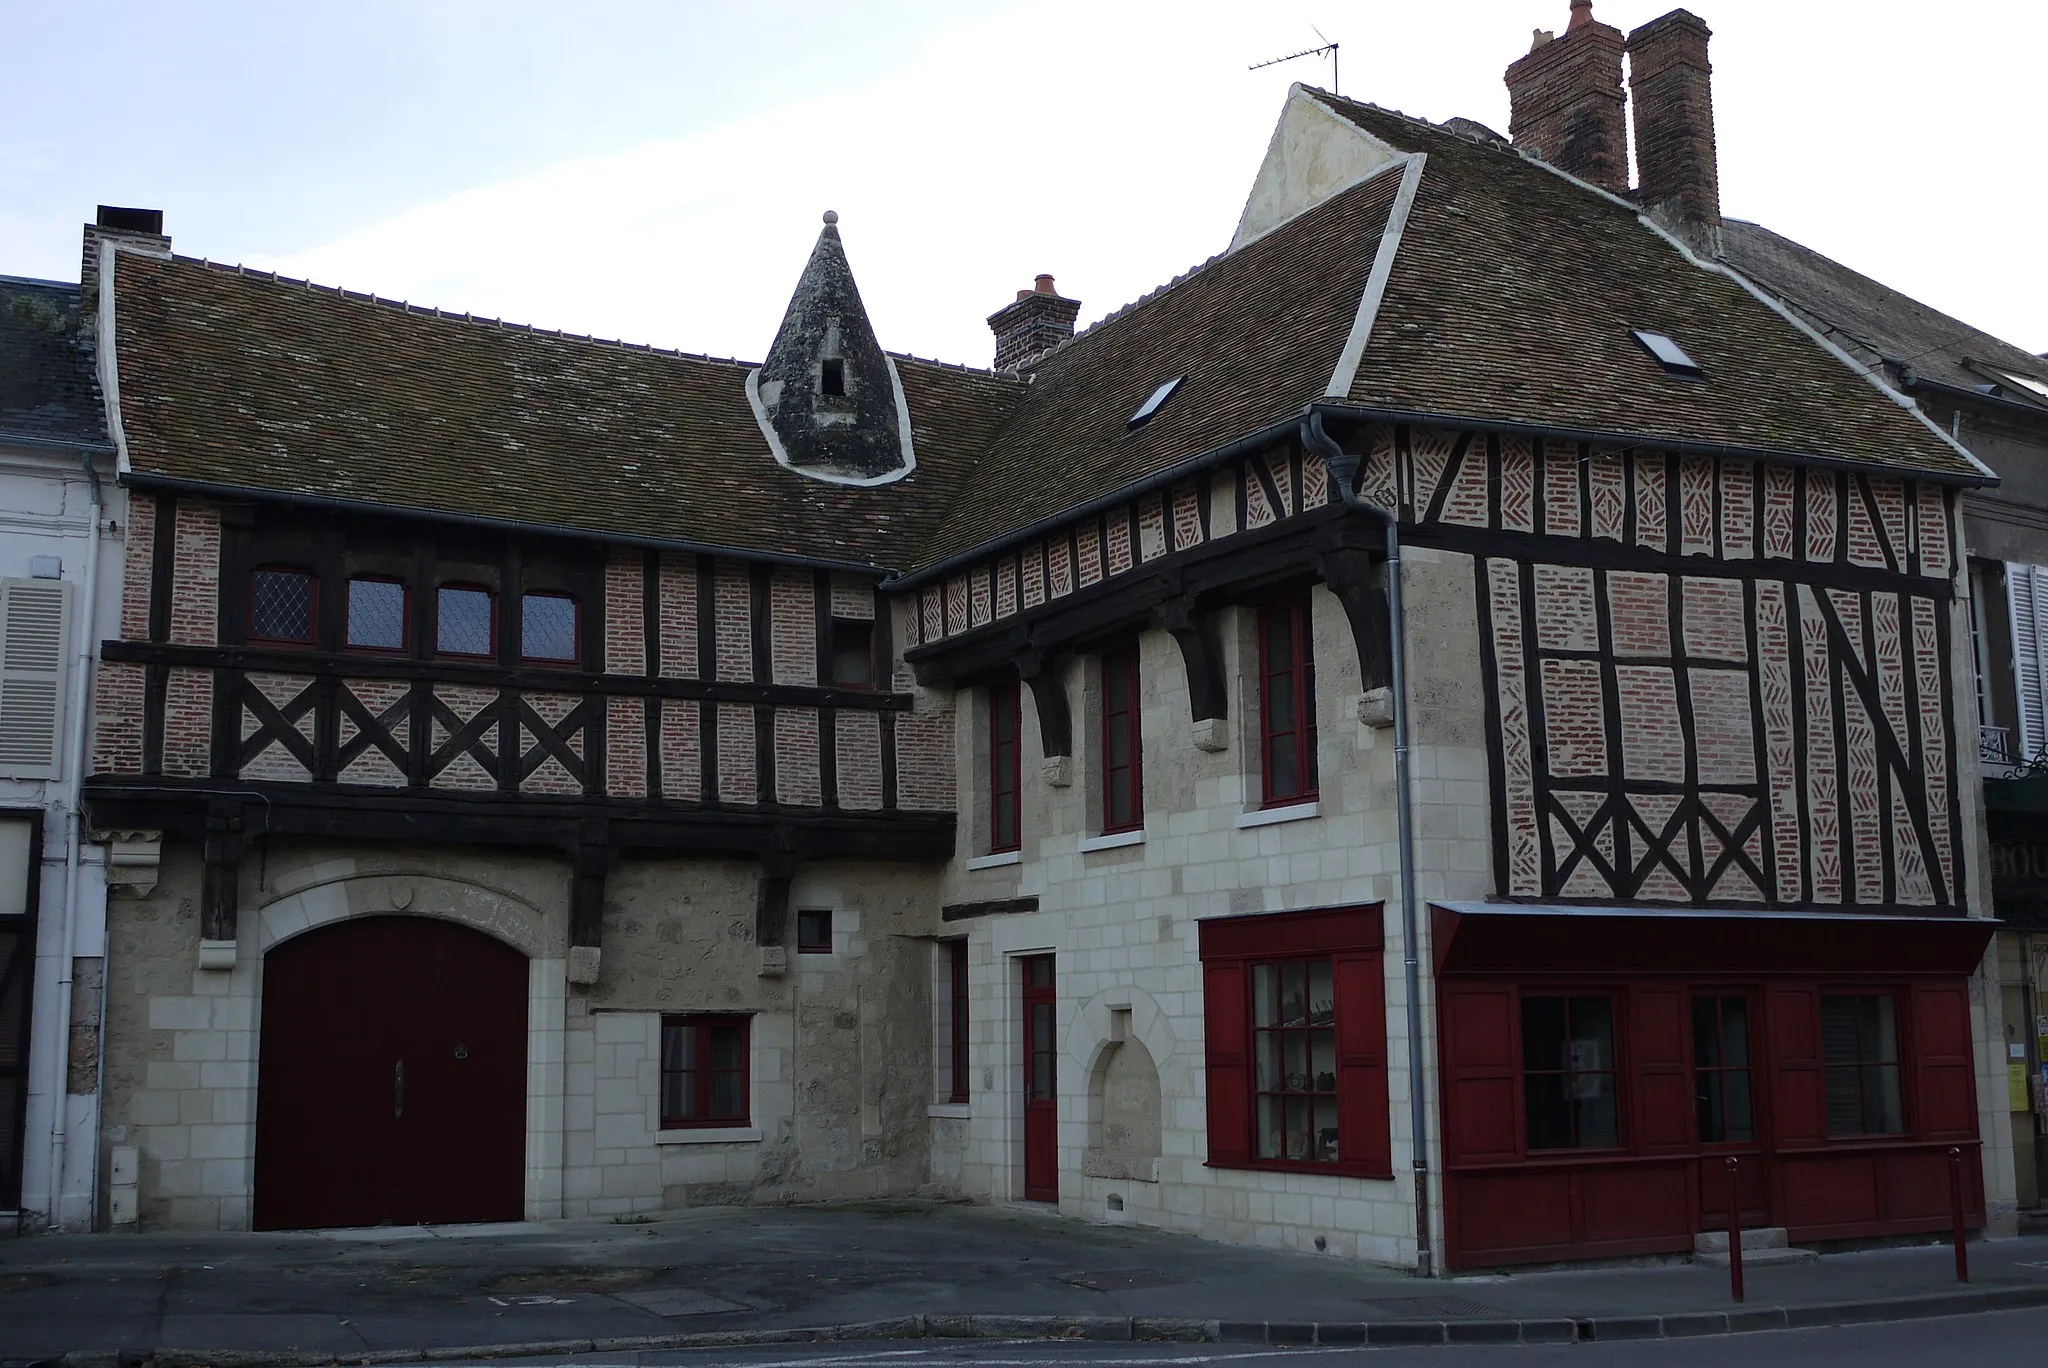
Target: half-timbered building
<point>1420,739</point>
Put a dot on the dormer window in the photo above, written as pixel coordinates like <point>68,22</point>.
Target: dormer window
<point>832,377</point>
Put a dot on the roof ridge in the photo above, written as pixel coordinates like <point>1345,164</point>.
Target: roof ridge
<point>40,283</point>
<point>448,315</point>
<point>992,373</point>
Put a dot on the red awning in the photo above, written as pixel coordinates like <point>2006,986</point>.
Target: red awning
<point>1494,938</point>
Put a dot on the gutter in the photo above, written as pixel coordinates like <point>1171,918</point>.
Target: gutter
<point>74,836</point>
<point>1343,467</point>
<point>22,439</point>
<point>208,489</point>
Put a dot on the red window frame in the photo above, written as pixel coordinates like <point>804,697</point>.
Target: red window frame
<point>1901,999</point>
<point>575,628</point>
<point>957,1020</point>
<point>491,615</point>
<point>404,615</point>
<point>700,1085</point>
<point>312,605</point>
<point>814,931</point>
<point>1712,1083</point>
<point>1616,1070</point>
<point>1292,677</point>
<point>1005,767</point>
<point>1121,709</point>
<point>1232,950</point>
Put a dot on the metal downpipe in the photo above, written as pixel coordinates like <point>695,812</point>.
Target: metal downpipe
<point>1343,468</point>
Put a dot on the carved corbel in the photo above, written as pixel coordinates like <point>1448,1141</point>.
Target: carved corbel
<point>590,867</point>
<point>1201,652</point>
<point>1350,574</point>
<point>133,858</point>
<point>771,907</point>
<point>1040,670</point>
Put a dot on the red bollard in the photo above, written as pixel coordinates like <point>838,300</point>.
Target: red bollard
<point>1734,1232</point>
<point>1955,1201</point>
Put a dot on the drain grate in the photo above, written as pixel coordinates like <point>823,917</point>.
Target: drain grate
<point>1435,1308</point>
<point>1116,1279</point>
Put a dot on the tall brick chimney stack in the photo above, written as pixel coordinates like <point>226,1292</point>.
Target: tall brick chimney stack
<point>1040,319</point>
<point>1670,84</point>
<point>1566,101</point>
<point>142,228</point>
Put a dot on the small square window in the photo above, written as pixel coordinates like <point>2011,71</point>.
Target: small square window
<point>703,1071</point>
<point>462,622</point>
<point>281,606</point>
<point>853,653</point>
<point>814,931</point>
<point>376,615</point>
<point>547,627</point>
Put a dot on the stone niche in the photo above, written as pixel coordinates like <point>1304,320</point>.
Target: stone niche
<point>1124,1103</point>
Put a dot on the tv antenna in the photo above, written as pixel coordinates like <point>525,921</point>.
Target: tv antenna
<point>1327,49</point>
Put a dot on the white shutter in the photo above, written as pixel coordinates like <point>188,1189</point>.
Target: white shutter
<point>35,632</point>
<point>2026,601</point>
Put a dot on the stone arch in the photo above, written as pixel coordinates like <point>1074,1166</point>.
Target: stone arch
<point>1129,1056</point>
<point>494,912</point>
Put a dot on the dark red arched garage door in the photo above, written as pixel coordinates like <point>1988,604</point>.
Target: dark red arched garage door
<point>391,1086</point>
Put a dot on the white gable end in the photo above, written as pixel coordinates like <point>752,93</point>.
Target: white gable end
<point>1314,154</point>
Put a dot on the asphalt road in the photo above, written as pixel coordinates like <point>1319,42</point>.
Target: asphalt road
<point>1993,1339</point>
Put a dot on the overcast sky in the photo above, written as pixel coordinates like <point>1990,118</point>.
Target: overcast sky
<point>655,171</point>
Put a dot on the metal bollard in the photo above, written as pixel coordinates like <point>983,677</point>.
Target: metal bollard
<point>1955,1202</point>
<point>1734,1232</point>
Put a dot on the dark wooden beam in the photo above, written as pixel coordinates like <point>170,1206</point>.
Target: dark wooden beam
<point>1041,670</point>
<point>996,907</point>
<point>1349,574</point>
<point>1201,654</point>
<point>525,678</point>
<point>220,872</point>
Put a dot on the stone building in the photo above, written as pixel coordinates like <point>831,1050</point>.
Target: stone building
<point>1419,739</point>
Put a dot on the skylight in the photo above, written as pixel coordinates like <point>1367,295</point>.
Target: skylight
<point>1669,354</point>
<point>2019,380</point>
<point>1151,406</point>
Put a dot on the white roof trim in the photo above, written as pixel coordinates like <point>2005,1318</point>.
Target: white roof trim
<point>1301,93</point>
<point>104,350</point>
<point>775,447</point>
<point>1376,284</point>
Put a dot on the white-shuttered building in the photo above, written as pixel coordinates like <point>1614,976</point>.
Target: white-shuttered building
<point>60,509</point>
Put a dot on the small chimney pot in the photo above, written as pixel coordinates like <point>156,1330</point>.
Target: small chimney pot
<point>1038,320</point>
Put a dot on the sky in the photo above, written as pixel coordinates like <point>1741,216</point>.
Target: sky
<point>655,171</point>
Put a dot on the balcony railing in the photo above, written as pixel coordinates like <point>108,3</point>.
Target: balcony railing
<point>1994,746</point>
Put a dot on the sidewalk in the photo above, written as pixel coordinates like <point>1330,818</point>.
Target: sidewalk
<point>737,1275</point>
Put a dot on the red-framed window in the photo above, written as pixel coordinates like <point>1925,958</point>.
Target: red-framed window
<point>1294,1006</point>
<point>379,609</point>
<point>465,621</point>
<point>703,1071</point>
<point>1123,769</point>
<point>1570,1098</point>
<point>956,1020</point>
<point>1005,747</point>
<point>1724,1096</point>
<point>550,627</point>
<point>814,931</point>
<point>1287,703</point>
<point>1859,1038</point>
<point>852,659</point>
<point>282,604</point>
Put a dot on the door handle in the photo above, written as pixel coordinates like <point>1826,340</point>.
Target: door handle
<point>398,1088</point>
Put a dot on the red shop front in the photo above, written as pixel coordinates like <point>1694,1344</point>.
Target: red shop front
<point>1600,1066</point>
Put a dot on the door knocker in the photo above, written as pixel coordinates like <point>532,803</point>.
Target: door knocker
<point>461,1050</point>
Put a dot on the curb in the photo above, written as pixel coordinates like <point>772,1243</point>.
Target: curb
<point>1367,1334</point>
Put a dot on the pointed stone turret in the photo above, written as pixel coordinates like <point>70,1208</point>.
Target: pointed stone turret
<point>828,397</point>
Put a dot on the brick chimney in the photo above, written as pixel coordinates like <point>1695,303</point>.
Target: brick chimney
<point>1566,101</point>
<point>137,227</point>
<point>1670,85</point>
<point>1040,319</point>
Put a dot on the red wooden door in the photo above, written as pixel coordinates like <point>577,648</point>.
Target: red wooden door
<point>1041,1085</point>
<point>391,1086</point>
<point>1728,1106</point>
